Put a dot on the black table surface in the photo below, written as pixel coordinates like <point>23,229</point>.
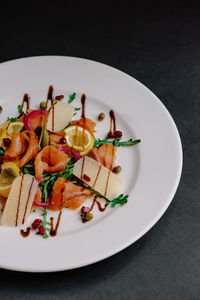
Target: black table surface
<point>161,48</point>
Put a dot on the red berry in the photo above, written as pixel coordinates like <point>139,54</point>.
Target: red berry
<point>85,209</point>
<point>118,133</point>
<point>63,141</point>
<point>110,135</point>
<point>59,97</point>
<point>6,142</point>
<point>36,223</point>
<point>87,178</point>
<point>41,230</point>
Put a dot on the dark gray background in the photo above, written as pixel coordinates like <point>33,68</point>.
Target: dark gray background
<point>161,48</point>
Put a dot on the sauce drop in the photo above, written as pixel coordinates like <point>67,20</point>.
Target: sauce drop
<point>25,233</point>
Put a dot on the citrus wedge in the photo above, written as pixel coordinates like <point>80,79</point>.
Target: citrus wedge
<point>79,138</point>
<point>15,127</point>
<point>9,171</point>
<point>3,128</point>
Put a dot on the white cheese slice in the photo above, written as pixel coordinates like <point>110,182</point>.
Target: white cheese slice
<point>20,200</point>
<point>60,116</point>
<point>101,179</point>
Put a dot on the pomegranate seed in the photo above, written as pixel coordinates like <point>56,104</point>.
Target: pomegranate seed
<point>118,133</point>
<point>36,223</point>
<point>41,230</point>
<point>6,142</point>
<point>63,141</point>
<point>85,209</point>
<point>86,177</point>
<point>110,135</point>
<point>59,97</point>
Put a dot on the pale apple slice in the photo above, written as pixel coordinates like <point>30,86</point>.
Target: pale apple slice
<point>98,177</point>
<point>59,116</point>
<point>20,200</point>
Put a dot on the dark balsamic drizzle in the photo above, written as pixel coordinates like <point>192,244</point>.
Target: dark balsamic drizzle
<point>101,209</point>
<point>26,100</point>
<point>112,121</point>
<point>29,193</point>
<point>53,232</point>
<point>25,233</point>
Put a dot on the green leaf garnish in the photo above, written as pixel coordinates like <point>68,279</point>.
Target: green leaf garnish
<point>72,97</point>
<point>12,119</point>
<point>45,224</point>
<point>19,109</point>
<point>116,142</point>
<point>121,200</point>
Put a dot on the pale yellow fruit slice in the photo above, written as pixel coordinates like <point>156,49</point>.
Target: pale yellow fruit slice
<point>100,178</point>
<point>15,127</point>
<point>79,138</point>
<point>60,116</point>
<point>3,129</point>
<point>9,171</point>
<point>20,200</point>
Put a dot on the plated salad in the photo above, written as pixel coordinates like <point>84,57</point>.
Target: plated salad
<point>50,159</point>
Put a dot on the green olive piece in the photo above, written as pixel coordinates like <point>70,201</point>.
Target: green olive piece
<point>86,216</point>
<point>117,169</point>
<point>45,138</point>
<point>101,116</point>
<point>43,105</point>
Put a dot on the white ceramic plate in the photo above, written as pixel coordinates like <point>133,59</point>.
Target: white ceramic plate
<point>150,170</point>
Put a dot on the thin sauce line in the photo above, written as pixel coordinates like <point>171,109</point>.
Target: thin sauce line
<point>29,193</point>
<point>107,183</point>
<point>19,199</point>
<point>97,176</point>
<point>53,231</point>
<point>82,167</point>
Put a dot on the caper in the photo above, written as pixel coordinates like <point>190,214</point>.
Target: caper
<point>43,105</point>
<point>86,216</point>
<point>117,169</point>
<point>101,116</point>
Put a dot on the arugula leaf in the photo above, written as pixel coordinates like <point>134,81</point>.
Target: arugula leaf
<point>121,199</point>
<point>72,97</point>
<point>12,119</point>
<point>77,108</point>
<point>116,142</point>
<point>45,223</point>
<point>29,168</point>
<point>19,109</point>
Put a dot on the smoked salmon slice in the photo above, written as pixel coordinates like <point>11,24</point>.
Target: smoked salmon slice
<point>85,123</point>
<point>23,147</point>
<point>105,154</point>
<point>66,194</point>
<point>50,159</point>
<point>55,138</point>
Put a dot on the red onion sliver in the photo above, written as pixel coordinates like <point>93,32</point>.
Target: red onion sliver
<point>39,180</point>
<point>35,202</point>
<point>7,157</point>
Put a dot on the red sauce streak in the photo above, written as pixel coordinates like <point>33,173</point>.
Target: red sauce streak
<point>101,209</point>
<point>19,198</point>
<point>25,233</point>
<point>107,183</point>
<point>29,193</point>
<point>50,95</point>
<point>82,168</point>
<point>53,232</point>
<point>87,178</point>
<point>111,133</point>
<point>83,98</point>
<point>97,176</point>
<point>26,99</point>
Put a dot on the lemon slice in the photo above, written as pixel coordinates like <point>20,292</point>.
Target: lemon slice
<point>3,128</point>
<point>9,171</point>
<point>15,127</point>
<point>79,138</point>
